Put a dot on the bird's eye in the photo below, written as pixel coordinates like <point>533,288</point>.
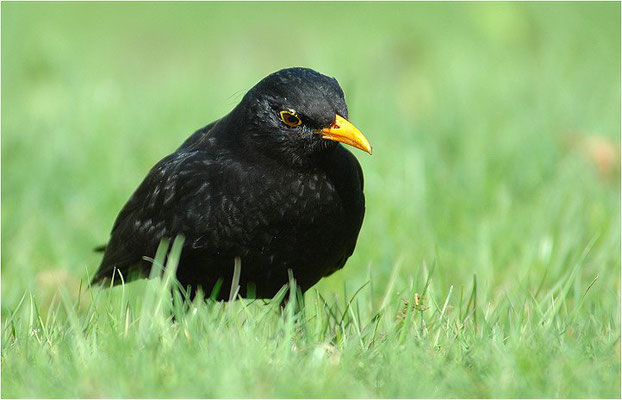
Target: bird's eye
<point>290,118</point>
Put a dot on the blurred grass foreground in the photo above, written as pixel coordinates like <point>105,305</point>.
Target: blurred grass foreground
<point>489,261</point>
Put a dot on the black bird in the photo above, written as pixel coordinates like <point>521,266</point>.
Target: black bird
<point>268,183</point>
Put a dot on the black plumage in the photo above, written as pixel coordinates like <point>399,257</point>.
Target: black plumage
<point>269,183</point>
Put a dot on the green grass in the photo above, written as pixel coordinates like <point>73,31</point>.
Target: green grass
<point>493,197</point>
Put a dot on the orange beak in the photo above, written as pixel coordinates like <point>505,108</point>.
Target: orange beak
<point>343,131</point>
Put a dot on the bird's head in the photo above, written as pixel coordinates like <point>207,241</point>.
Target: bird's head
<point>298,112</point>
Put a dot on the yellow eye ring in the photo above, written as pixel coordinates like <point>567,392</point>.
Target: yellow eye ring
<point>290,118</point>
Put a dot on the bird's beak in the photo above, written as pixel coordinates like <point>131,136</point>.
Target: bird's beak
<point>343,131</point>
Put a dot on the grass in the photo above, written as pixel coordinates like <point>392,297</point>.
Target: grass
<point>489,261</point>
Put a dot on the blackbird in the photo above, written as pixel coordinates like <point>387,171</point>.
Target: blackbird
<point>268,184</point>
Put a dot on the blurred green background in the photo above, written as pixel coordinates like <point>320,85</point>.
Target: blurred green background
<point>495,127</point>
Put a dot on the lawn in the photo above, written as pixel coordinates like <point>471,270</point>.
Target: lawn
<point>488,263</point>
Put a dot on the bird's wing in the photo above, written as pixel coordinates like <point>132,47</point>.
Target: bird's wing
<point>180,195</point>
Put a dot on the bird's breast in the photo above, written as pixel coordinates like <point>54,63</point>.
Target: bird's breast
<point>301,214</point>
